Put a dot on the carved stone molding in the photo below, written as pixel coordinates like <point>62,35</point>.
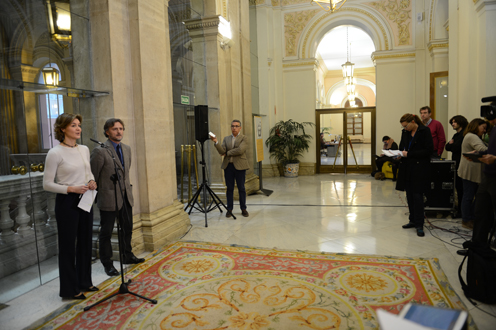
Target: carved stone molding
<point>345,9</point>
<point>484,4</point>
<point>397,12</point>
<point>294,23</point>
<point>202,24</point>
<point>437,45</point>
<point>386,56</point>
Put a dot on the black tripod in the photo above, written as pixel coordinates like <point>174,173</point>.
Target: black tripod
<point>123,287</point>
<point>205,188</point>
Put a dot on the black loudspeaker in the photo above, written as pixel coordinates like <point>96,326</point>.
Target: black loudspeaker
<point>201,123</point>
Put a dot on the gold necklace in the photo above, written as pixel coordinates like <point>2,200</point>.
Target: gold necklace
<point>69,145</point>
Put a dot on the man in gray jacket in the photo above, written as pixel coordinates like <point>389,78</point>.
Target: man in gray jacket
<point>235,164</point>
<point>103,168</point>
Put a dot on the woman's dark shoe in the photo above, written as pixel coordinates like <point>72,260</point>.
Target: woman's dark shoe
<point>420,232</point>
<point>462,252</point>
<point>92,288</point>
<point>408,225</point>
<point>80,296</point>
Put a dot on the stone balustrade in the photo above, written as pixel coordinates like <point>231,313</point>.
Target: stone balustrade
<point>27,222</point>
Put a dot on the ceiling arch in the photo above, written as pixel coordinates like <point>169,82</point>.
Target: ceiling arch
<point>365,18</point>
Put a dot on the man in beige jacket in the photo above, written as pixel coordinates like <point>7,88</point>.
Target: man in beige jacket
<point>235,164</point>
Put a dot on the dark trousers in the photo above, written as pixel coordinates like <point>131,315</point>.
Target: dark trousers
<point>415,205</point>
<point>230,175</point>
<point>485,202</point>
<point>74,228</point>
<point>468,202</point>
<point>107,221</point>
<point>459,192</point>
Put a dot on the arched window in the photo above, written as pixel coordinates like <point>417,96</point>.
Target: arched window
<point>50,107</point>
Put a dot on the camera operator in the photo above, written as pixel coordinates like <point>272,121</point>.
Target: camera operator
<point>485,199</point>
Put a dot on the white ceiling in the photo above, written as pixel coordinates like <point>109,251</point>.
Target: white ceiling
<point>332,48</point>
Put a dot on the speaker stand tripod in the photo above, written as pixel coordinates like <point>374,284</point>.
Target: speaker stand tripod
<point>204,189</point>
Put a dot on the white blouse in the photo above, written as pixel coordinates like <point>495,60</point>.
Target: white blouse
<point>67,167</point>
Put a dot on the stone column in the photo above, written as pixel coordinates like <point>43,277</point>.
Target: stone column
<point>206,39</point>
<point>227,75</point>
<point>486,11</point>
<point>133,63</point>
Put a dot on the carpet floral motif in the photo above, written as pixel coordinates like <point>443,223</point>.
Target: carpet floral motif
<point>213,286</point>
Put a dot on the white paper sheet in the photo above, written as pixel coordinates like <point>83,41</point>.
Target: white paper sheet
<point>86,201</point>
<point>389,321</point>
<point>393,153</point>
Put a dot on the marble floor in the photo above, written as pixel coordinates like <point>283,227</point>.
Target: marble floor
<point>331,213</point>
<point>363,152</point>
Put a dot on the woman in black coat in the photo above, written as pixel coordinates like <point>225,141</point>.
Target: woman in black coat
<point>416,144</point>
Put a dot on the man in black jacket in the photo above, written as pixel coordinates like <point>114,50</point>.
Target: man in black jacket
<point>459,123</point>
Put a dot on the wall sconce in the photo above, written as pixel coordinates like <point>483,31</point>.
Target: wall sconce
<point>50,76</point>
<point>59,21</point>
<point>225,32</point>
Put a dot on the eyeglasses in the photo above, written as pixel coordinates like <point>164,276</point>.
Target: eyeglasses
<point>236,126</point>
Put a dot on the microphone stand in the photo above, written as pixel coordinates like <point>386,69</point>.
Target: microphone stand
<point>123,289</point>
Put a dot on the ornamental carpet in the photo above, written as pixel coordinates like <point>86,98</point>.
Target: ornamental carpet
<point>213,286</point>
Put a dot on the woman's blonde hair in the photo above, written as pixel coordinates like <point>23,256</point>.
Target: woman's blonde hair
<point>62,122</point>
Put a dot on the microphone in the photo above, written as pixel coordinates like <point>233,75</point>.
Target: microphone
<point>100,143</point>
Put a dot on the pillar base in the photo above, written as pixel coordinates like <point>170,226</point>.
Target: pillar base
<point>164,226</point>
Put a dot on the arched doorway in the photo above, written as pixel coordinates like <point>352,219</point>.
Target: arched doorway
<point>346,120</point>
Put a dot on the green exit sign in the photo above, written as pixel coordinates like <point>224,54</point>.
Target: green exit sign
<point>184,99</point>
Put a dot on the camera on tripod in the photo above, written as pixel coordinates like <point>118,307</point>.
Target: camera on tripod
<point>488,111</point>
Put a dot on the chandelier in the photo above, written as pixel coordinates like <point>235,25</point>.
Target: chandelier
<point>333,4</point>
<point>348,70</point>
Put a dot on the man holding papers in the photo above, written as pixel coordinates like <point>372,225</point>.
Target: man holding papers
<point>102,166</point>
<point>387,156</point>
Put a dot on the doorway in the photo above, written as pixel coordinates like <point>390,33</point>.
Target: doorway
<point>347,140</point>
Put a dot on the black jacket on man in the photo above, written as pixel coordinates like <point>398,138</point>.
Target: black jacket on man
<point>416,166</point>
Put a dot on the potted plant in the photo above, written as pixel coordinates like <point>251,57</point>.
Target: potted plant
<point>287,141</point>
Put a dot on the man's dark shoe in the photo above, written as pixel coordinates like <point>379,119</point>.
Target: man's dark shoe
<point>133,260</point>
<point>245,213</point>
<point>228,214</point>
<point>420,232</point>
<point>408,225</point>
<point>462,252</point>
<point>111,271</point>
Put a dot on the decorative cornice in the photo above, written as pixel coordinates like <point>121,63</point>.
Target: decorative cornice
<point>200,24</point>
<point>437,45</point>
<point>351,9</point>
<point>392,56</point>
<point>484,4</point>
<point>296,64</point>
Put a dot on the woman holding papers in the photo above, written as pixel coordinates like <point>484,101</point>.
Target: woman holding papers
<point>68,173</point>
<point>469,171</point>
<point>416,146</point>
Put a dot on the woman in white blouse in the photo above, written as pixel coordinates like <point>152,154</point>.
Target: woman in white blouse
<point>68,173</point>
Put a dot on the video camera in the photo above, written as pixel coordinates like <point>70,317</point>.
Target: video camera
<point>489,111</point>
